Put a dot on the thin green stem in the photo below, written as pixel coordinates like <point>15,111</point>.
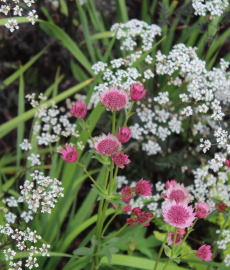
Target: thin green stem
<point>174,241</point>
<point>106,226</point>
<point>127,115</point>
<point>115,176</point>
<point>111,177</point>
<point>116,233</point>
<point>87,129</point>
<point>169,261</point>
<point>160,252</point>
<point>189,231</point>
<point>114,122</point>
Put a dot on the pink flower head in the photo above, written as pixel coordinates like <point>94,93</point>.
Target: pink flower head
<point>178,238</point>
<point>181,232</point>
<point>143,188</point>
<point>171,182</point>
<point>69,154</point>
<point>121,159</point>
<point>137,92</point>
<point>227,162</point>
<point>128,192</point>
<point>178,215</point>
<point>178,193</point>
<point>136,211</point>
<point>124,134</point>
<point>204,253</point>
<point>220,207</point>
<point>202,210</point>
<point>107,145</point>
<point>114,99</point>
<point>79,110</point>
<point>131,221</point>
<point>143,216</point>
<point>127,208</point>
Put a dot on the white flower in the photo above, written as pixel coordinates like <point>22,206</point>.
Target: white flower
<point>25,145</point>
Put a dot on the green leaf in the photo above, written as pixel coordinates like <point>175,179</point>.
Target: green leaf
<point>83,251</point>
<point>215,200</point>
<point>177,251</point>
<point>213,214</point>
<point>225,215</point>
<point>177,260</point>
<point>167,250</point>
<point>108,255</point>
<point>98,191</point>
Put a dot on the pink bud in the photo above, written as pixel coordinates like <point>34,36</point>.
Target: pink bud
<point>80,110</point>
<point>137,92</point>
<point>124,134</point>
<point>202,210</point>
<point>143,216</point>
<point>121,159</point>
<point>127,208</point>
<point>136,211</point>
<point>143,188</point>
<point>220,207</point>
<point>204,253</point>
<point>131,221</point>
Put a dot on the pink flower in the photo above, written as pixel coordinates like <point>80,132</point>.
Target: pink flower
<point>178,193</point>
<point>114,99</point>
<point>227,162</point>
<point>143,216</point>
<point>121,159</point>
<point>202,210</point>
<point>124,134</point>
<point>181,232</point>
<point>127,208</point>
<point>137,92</point>
<point>79,110</point>
<point>69,154</point>
<point>171,182</point>
<point>220,207</point>
<point>179,215</point>
<point>178,238</point>
<point>136,211</point>
<point>107,145</point>
<point>143,188</point>
<point>131,221</point>
<point>128,192</point>
<point>204,253</point>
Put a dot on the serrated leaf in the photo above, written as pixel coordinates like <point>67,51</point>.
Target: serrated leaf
<point>177,251</point>
<point>213,214</point>
<point>98,191</point>
<point>108,255</point>
<point>83,251</point>
<point>167,250</point>
<point>82,125</point>
<point>215,200</point>
<point>177,260</point>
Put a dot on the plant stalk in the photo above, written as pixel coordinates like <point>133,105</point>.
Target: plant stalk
<point>160,252</point>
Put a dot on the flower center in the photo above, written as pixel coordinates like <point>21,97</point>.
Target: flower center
<point>114,100</point>
<point>108,147</point>
<point>177,195</point>
<point>178,214</point>
<point>142,188</point>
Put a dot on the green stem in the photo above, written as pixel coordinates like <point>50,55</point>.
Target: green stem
<point>88,131</point>
<point>115,176</point>
<point>160,252</point>
<point>189,232</point>
<point>169,261</point>
<point>111,177</point>
<point>174,241</point>
<point>106,226</point>
<point>115,234</point>
<point>114,122</point>
<point>127,116</point>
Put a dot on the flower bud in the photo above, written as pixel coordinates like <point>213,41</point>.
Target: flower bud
<point>69,154</point>
<point>137,92</point>
<point>124,134</point>
<point>80,110</point>
<point>220,207</point>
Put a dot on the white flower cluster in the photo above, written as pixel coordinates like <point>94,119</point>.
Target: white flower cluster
<point>17,10</point>
<point>42,192</point>
<point>222,244</point>
<point>209,7</point>
<point>21,239</point>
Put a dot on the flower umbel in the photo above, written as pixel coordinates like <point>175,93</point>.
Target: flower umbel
<point>114,99</point>
<point>137,92</point>
<point>69,154</point>
<point>121,159</point>
<point>204,253</point>
<point>80,110</point>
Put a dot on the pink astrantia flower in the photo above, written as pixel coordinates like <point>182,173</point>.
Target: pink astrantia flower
<point>204,253</point>
<point>127,208</point>
<point>128,192</point>
<point>124,134</point>
<point>178,238</point>
<point>202,210</point>
<point>178,193</point>
<point>178,215</point>
<point>131,221</point>
<point>79,110</point>
<point>136,211</point>
<point>220,207</point>
<point>114,99</point>
<point>143,188</point>
<point>143,216</point>
<point>137,92</point>
<point>69,154</point>
<point>169,183</point>
<point>121,159</point>
<point>107,145</point>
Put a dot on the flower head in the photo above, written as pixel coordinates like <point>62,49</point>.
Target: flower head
<point>169,183</point>
<point>80,110</point>
<point>137,92</point>
<point>114,99</point>
<point>143,188</point>
<point>220,207</point>
<point>227,162</point>
<point>178,193</point>
<point>204,253</point>
<point>69,154</point>
<point>179,215</point>
<point>171,237</point>
<point>120,160</point>
<point>202,210</point>
<point>107,145</point>
<point>136,211</point>
<point>124,134</point>
<point>127,208</point>
<point>128,192</point>
<point>143,216</point>
<point>131,221</point>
